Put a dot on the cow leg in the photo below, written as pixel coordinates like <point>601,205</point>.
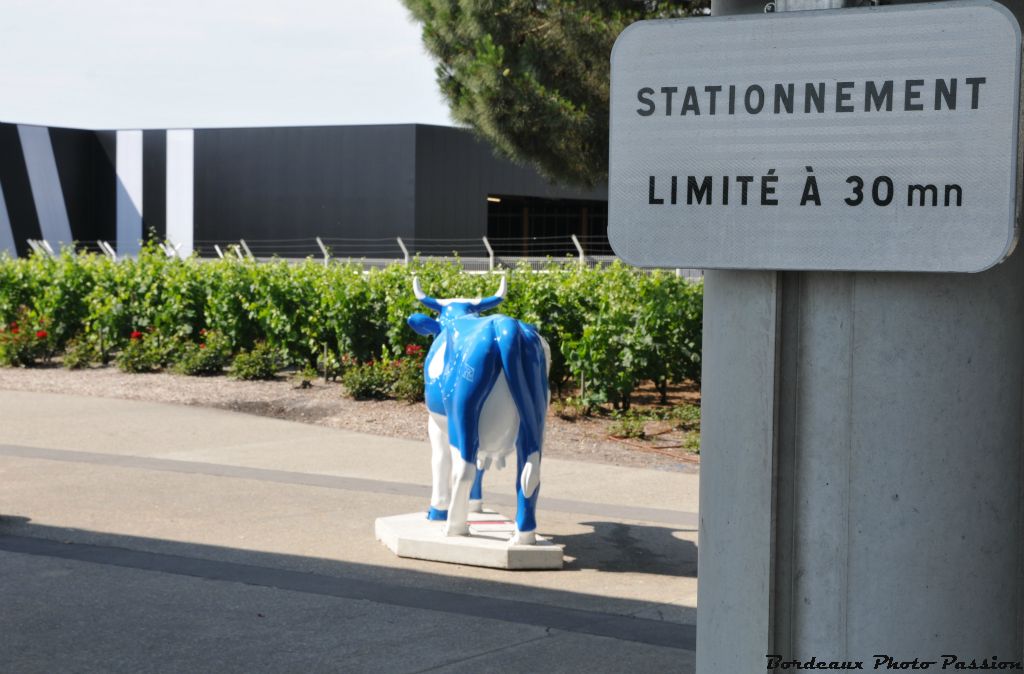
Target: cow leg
<point>476,493</point>
<point>441,467</point>
<point>471,383</point>
<point>527,490</point>
<point>463,474</point>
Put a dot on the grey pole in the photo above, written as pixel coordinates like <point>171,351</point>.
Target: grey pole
<point>862,477</point>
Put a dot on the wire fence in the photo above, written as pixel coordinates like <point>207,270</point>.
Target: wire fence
<point>475,254</point>
<point>399,247</point>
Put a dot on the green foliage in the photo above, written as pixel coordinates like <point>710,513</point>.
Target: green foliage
<point>533,78</point>
<point>142,353</point>
<point>261,362</point>
<point>635,327</point>
<point>571,408</point>
<point>61,286</point>
<point>368,381</point>
<point>305,376</point>
<point>79,353</point>
<point>229,284</point>
<point>691,442</point>
<point>25,340</point>
<point>628,427</point>
<point>408,375</point>
<point>282,303</point>
<point>609,328</point>
<point>19,284</point>
<point>208,357</point>
<point>399,377</point>
<point>686,417</point>
<point>329,366</point>
<point>389,377</point>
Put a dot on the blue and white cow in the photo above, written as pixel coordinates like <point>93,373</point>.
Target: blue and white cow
<point>487,395</point>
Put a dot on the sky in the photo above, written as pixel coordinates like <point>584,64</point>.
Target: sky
<point>142,64</point>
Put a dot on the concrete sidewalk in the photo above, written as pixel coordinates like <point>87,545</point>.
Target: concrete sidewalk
<point>146,537</point>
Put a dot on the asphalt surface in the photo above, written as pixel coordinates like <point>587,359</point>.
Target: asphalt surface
<point>141,537</point>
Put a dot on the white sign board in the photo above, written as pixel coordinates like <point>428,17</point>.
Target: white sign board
<point>879,139</point>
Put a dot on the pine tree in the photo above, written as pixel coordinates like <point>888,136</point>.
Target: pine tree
<point>531,77</point>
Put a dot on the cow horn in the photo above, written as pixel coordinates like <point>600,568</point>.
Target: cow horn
<point>495,299</point>
<point>425,299</point>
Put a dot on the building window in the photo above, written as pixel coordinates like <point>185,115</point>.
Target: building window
<point>538,227</point>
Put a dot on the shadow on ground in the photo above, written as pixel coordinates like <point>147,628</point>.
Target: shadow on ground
<point>633,548</point>
<point>394,587</point>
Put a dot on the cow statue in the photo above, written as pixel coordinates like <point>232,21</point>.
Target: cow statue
<point>486,390</point>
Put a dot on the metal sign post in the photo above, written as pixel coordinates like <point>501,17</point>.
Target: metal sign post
<point>862,477</point>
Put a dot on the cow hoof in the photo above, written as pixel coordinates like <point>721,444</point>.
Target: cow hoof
<point>452,529</point>
<point>476,506</point>
<point>523,538</point>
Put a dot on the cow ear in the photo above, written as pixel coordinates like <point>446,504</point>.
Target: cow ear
<point>424,325</point>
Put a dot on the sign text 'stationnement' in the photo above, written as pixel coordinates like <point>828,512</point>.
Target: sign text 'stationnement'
<point>881,139</point>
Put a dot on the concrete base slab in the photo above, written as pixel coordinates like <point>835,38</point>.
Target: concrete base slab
<point>413,535</point>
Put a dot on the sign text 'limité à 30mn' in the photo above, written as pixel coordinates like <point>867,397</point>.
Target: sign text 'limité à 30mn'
<point>881,139</point>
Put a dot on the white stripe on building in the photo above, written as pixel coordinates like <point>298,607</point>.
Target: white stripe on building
<point>180,185</point>
<point>129,192</point>
<point>6,231</point>
<point>45,183</point>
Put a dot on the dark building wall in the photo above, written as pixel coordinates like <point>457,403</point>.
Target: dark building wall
<point>455,173</point>
<point>85,166</point>
<point>358,182</point>
<point>154,183</point>
<point>104,168</point>
<point>348,181</point>
<point>17,191</point>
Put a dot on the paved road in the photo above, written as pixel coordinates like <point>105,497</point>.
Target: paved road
<point>144,537</point>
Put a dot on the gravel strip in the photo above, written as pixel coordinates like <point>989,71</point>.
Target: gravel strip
<point>323,404</point>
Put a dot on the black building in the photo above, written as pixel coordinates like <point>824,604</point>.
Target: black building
<point>279,188</point>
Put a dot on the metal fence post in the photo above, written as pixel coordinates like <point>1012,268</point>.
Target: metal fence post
<point>405,251</point>
<point>579,248</point>
<point>109,250</point>
<point>490,254</point>
<point>170,250</point>
<point>247,251</point>
<point>323,249</point>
